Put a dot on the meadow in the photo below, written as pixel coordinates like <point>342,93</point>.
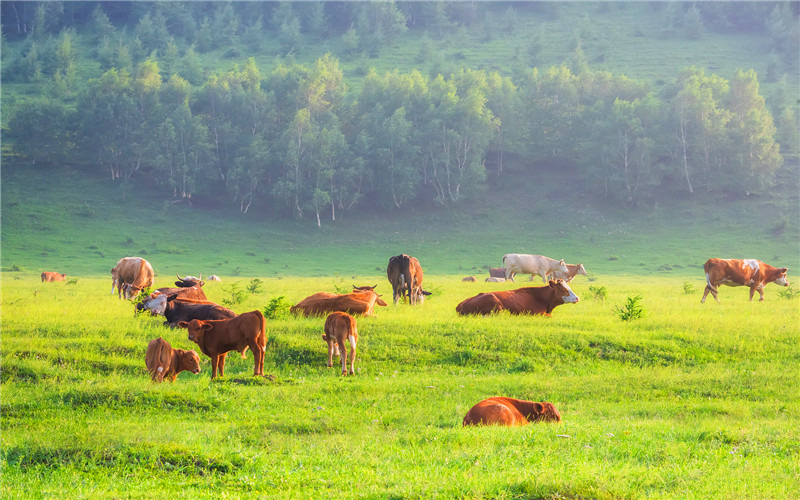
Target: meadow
<point>691,401</point>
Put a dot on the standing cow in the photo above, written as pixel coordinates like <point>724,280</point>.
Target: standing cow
<point>131,275</point>
<point>521,263</point>
<point>48,276</point>
<point>340,326</point>
<point>741,272</point>
<point>405,275</point>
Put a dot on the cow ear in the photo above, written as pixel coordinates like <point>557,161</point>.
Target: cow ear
<point>551,284</point>
<point>538,408</point>
<point>206,326</point>
<point>183,324</point>
<point>784,270</point>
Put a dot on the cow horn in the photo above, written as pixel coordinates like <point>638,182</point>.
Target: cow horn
<point>200,278</point>
<point>178,276</point>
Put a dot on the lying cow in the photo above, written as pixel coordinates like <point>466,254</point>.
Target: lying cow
<point>530,300</point>
<point>214,277</point>
<point>494,279</point>
<point>521,263</point>
<point>497,272</point>
<point>572,271</point>
<point>175,309</point>
<point>189,281</point>
<point>184,293</point>
<point>355,302</point>
<point>339,327</point>
<point>217,337</point>
<point>511,412</point>
<point>741,272</point>
<point>164,362</point>
<point>470,279</point>
<point>49,277</point>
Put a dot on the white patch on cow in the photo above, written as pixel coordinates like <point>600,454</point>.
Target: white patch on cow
<point>160,369</point>
<point>352,340</point>
<point>782,281</point>
<point>571,298</point>
<point>156,305</point>
<point>751,263</point>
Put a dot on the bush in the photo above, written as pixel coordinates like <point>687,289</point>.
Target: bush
<point>688,288</point>
<point>235,296</point>
<point>599,293</point>
<point>788,293</point>
<point>277,308</point>
<point>255,285</point>
<point>632,309</point>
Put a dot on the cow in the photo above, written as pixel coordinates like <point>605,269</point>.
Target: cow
<point>164,362</point>
<point>511,412</point>
<point>175,309</point>
<point>497,272</point>
<point>217,337</point>
<point>131,275</point>
<point>185,293</point>
<point>355,302</point>
<point>340,326</point>
<point>514,263</point>
<point>741,272</point>
<point>530,300</point>
<point>494,279</point>
<point>189,281</point>
<point>572,271</point>
<point>49,277</point>
<point>405,276</point>
<point>214,277</point>
<point>470,279</point>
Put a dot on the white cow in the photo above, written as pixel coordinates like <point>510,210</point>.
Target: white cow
<point>531,264</point>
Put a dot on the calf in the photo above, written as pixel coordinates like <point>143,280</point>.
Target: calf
<point>216,337</point>
<point>572,271</point>
<point>164,362</point>
<point>48,276</point>
<point>511,412</point>
<point>338,327</point>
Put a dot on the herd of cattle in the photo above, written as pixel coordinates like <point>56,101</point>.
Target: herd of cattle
<point>218,330</point>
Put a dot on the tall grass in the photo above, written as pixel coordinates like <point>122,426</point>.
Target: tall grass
<point>693,400</point>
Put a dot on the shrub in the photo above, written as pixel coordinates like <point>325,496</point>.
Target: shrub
<point>788,293</point>
<point>277,308</point>
<point>599,293</point>
<point>688,288</point>
<point>255,285</point>
<point>632,309</point>
<point>235,296</point>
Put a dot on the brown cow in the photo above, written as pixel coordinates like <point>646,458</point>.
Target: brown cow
<point>511,412</point>
<point>131,275</point>
<point>164,362</point>
<point>339,327</point>
<point>572,271</point>
<point>741,272</point>
<point>470,279</point>
<point>216,337</point>
<point>405,275</point>
<point>530,300</point>
<point>48,276</point>
<point>355,302</point>
<point>497,272</point>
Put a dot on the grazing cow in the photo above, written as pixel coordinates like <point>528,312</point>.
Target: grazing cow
<point>530,300</point>
<point>214,277</point>
<point>511,412</point>
<point>405,275</point>
<point>497,272</point>
<point>176,309</point>
<point>339,327</point>
<point>572,271</point>
<point>131,275</point>
<point>217,337</point>
<point>741,272</point>
<point>189,281</point>
<point>514,263</point>
<point>48,276</point>
<point>164,362</point>
<point>470,279</point>
<point>355,302</point>
<point>494,279</point>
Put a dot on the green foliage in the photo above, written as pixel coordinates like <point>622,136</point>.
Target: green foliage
<point>277,308</point>
<point>599,293</point>
<point>255,286</point>
<point>633,309</point>
<point>688,288</point>
<point>788,293</point>
<point>233,295</point>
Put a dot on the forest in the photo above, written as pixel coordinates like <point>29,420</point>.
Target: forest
<point>249,102</point>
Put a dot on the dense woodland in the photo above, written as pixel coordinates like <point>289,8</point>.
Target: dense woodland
<point>121,89</point>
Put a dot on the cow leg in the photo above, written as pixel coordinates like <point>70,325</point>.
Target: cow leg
<point>352,340</point>
<point>258,358</point>
<point>343,355</point>
<point>330,352</point>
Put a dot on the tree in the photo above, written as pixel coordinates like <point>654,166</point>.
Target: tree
<point>41,131</point>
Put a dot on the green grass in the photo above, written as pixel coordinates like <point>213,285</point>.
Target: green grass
<point>693,400</point>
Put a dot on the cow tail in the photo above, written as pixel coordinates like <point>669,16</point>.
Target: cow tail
<point>402,285</point>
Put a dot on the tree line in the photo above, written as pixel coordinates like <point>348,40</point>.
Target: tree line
<point>299,139</point>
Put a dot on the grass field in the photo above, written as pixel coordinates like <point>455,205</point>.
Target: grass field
<point>691,401</point>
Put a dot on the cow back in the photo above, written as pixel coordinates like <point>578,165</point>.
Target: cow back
<point>158,358</point>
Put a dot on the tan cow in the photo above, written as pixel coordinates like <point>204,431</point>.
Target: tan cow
<point>49,277</point>
<point>511,412</point>
<point>355,302</point>
<point>741,272</point>
<point>340,326</point>
<point>405,275</point>
<point>164,362</point>
<point>217,337</point>
<point>470,279</point>
<point>131,275</point>
<point>572,271</point>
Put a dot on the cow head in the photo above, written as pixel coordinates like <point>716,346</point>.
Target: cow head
<point>581,270</point>
<point>189,281</point>
<point>545,411</point>
<point>564,291</point>
<point>197,329</point>
<point>188,360</point>
<point>156,304</point>
<point>782,279</point>
<point>562,266</point>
